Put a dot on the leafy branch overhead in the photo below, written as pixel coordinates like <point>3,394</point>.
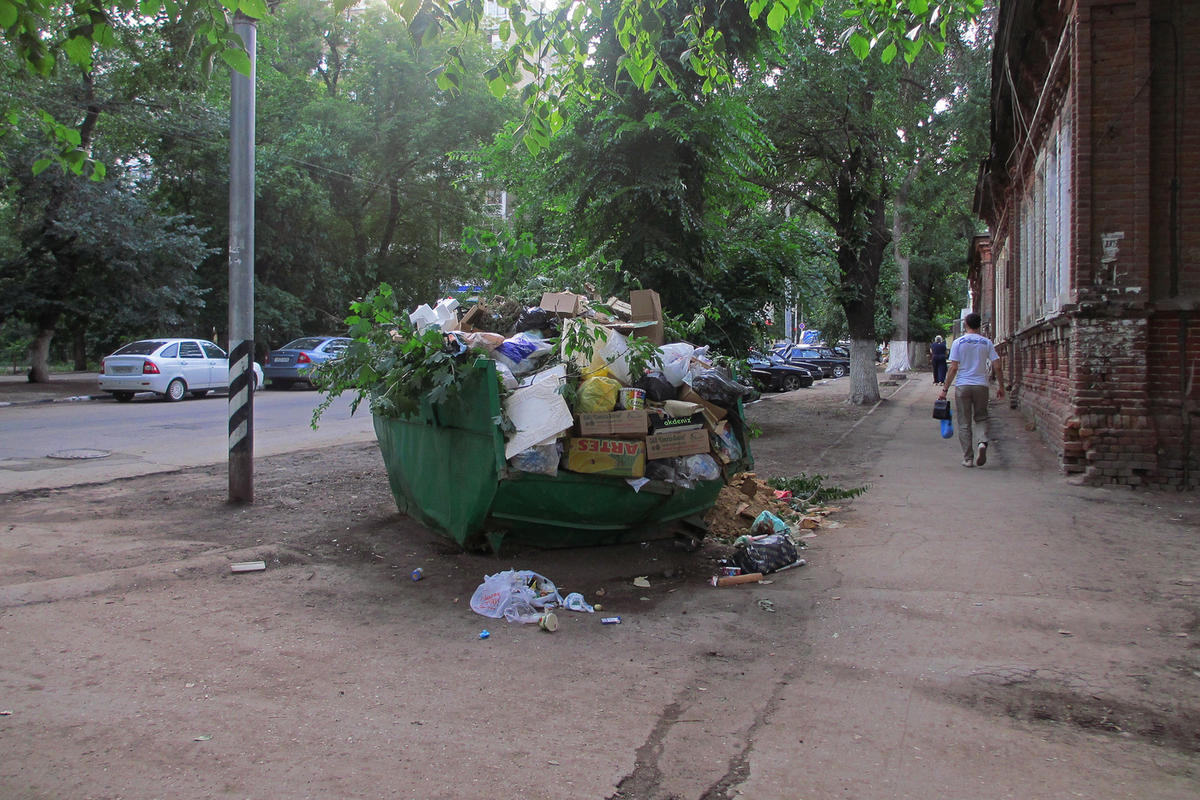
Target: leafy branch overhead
<point>544,52</point>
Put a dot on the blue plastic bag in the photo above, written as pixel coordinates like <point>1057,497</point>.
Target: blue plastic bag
<point>947,427</point>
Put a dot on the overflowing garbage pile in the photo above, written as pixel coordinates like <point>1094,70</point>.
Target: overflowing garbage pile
<point>591,387</point>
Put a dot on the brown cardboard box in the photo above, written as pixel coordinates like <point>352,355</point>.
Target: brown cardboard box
<point>620,308</point>
<point>623,457</point>
<point>647,307</point>
<point>614,423</point>
<point>663,423</point>
<point>714,412</point>
<point>563,304</point>
<point>467,323</point>
<point>677,443</point>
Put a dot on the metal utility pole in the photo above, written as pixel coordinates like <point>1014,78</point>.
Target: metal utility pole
<point>241,271</point>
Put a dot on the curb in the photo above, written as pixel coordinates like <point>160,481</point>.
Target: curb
<point>80,398</point>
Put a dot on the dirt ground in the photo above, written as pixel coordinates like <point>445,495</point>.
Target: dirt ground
<point>985,633</point>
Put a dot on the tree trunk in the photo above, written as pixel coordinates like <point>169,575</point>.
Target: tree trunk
<point>39,350</point>
<point>898,360</point>
<point>860,254</point>
<point>864,383</point>
<point>79,347</point>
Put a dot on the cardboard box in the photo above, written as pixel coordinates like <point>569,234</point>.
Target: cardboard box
<point>647,307</point>
<point>596,456</point>
<point>474,314</point>
<point>620,308</point>
<point>677,443</point>
<point>615,423</point>
<point>562,304</point>
<point>711,410</point>
<point>659,422</point>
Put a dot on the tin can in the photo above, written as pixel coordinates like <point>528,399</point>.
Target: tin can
<point>417,574</point>
<point>610,621</point>
<point>631,399</point>
<point>731,570</point>
<point>548,622</point>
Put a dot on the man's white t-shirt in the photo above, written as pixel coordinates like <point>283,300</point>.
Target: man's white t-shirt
<point>973,354</point>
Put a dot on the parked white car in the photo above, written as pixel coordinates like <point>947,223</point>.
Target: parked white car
<point>168,367</point>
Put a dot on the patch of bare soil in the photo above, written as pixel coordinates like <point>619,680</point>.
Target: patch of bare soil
<point>140,666</point>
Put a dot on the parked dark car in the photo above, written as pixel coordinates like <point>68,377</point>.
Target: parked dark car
<point>830,363</point>
<point>295,360</point>
<point>845,353</point>
<point>772,374</point>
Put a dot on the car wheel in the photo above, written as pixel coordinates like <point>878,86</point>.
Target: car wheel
<point>123,397</point>
<point>198,392</point>
<point>176,389</point>
<point>791,383</point>
<point>838,370</point>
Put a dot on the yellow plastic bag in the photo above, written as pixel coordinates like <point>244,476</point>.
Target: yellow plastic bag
<point>598,395</point>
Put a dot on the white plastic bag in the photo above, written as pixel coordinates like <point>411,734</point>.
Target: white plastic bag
<point>521,353</point>
<point>675,358</point>
<point>506,376</point>
<point>541,459</point>
<point>699,467</point>
<point>611,353</point>
<point>519,590</point>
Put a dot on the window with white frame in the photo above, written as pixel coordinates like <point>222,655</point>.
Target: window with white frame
<point>1044,215</point>
<point>1002,325</point>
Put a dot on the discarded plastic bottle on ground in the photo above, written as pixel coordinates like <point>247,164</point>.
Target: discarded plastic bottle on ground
<point>523,612</point>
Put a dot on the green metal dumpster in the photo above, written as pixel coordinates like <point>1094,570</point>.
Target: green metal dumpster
<point>446,468</point>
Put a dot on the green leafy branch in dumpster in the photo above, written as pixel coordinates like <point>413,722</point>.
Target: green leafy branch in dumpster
<point>810,490</point>
<point>641,354</point>
<point>391,363</point>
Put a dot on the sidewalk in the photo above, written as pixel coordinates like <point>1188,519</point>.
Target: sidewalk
<point>63,386</point>
<point>991,632</point>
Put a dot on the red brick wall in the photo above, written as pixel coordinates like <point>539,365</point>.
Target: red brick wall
<point>1111,382</point>
<point>1173,385</point>
<point>1042,365</point>
<point>1175,163</point>
<point>1117,137</point>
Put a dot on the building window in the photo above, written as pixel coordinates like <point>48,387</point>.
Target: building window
<point>1045,224</point>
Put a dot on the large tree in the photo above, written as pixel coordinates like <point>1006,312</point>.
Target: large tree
<point>79,246</point>
<point>942,118</point>
<point>831,123</point>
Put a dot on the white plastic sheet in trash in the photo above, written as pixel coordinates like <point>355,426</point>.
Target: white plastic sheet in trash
<point>538,412</point>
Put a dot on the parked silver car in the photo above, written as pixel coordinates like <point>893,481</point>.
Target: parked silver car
<point>168,367</point>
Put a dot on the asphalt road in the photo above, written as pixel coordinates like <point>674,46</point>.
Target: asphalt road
<point>149,435</point>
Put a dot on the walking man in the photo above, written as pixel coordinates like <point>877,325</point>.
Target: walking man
<point>970,356</point>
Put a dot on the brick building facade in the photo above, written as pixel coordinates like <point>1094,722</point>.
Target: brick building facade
<point>1090,279</point>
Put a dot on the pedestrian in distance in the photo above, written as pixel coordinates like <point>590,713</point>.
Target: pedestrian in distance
<point>970,356</point>
<point>938,354</point>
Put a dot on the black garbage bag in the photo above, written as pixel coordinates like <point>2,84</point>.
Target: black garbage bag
<point>766,554</point>
<point>719,389</point>
<point>656,386</point>
<point>536,319</point>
